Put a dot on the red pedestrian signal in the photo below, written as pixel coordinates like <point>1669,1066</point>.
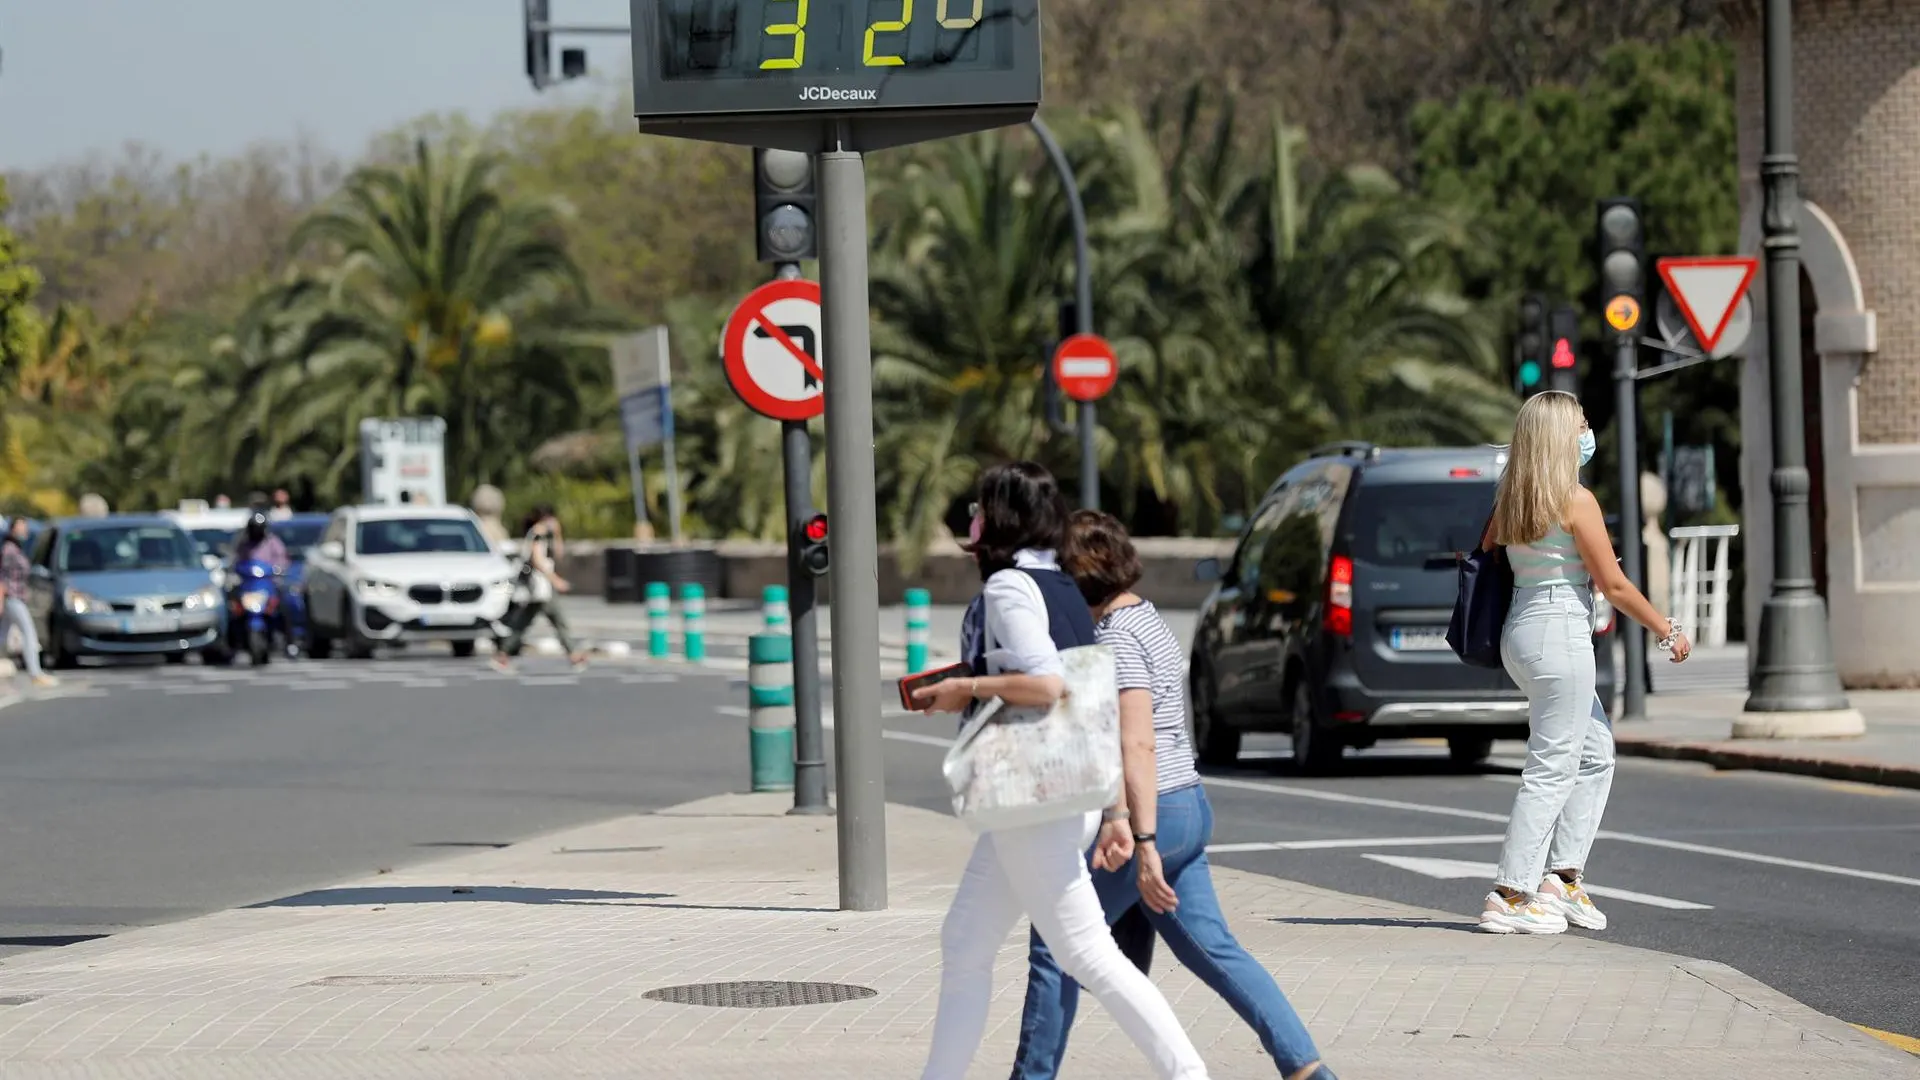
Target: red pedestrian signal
<point>1562,354</point>
<point>810,548</point>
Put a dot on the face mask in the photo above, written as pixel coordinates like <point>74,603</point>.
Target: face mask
<point>1587,447</point>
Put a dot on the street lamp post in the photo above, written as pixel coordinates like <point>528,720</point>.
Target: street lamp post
<point>1795,690</point>
<point>1082,305</point>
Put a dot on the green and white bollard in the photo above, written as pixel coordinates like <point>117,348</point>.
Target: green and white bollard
<point>919,617</point>
<point>659,616</point>
<point>773,606</point>
<point>770,713</point>
<point>693,622</point>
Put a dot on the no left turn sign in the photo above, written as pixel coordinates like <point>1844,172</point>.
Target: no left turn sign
<point>1085,367</point>
<point>771,350</point>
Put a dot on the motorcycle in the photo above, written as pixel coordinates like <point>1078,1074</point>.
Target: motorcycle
<point>255,612</point>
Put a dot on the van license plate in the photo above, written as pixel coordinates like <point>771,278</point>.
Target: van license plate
<point>1418,638</point>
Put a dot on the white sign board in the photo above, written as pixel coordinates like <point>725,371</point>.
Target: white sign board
<point>404,457</point>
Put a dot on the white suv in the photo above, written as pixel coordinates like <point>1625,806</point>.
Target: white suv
<point>396,574</point>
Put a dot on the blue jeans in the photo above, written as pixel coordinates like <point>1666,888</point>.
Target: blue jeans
<point>1197,933</point>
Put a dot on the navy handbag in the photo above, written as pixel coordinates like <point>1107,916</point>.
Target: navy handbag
<point>1480,610</point>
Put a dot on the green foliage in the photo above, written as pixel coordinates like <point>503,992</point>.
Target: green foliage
<point>1655,123</point>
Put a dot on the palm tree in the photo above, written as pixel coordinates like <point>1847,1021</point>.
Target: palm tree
<point>447,296</point>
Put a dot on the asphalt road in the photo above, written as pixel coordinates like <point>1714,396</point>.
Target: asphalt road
<point>154,794</point>
<point>1807,885</point>
<point>151,794</point>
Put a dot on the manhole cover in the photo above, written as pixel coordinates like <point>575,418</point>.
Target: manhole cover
<point>759,995</point>
<point>421,979</point>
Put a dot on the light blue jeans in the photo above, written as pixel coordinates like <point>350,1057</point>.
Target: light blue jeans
<point>1547,648</point>
<point>15,613</point>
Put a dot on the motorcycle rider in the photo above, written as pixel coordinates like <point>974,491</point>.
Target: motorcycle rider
<point>258,542</point>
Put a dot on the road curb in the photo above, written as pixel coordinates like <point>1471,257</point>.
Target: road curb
<point>1724,756</point>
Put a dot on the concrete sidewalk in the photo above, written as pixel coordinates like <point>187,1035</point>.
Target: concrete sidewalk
<point>534,961</point>
<point>1697,727</point>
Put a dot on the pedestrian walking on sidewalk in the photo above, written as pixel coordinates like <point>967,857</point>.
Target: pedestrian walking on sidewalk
<point>1172,823</point>
<point>14,571</point>
<point>540,578</point>
<point>1557,543</point>
<point>1031,610</point>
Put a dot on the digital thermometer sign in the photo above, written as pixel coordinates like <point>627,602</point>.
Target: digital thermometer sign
<point>805,74</point>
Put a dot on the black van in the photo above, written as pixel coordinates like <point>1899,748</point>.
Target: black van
<point>1330,620</point>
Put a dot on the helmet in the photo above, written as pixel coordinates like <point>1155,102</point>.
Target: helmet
<point>257,526</point>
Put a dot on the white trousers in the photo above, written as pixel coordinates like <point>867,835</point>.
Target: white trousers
<point>1548,650</point>
<point>1041,871</point>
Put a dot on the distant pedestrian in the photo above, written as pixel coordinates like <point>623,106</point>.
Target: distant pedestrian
<point>488,504</point>
<point>1556,540</point>
<point>15,569</point>
<point>540,577</point>
<point>282,508</point>
<point>1172,822</point>
<point>222,502</point>
<point>1028,610</point>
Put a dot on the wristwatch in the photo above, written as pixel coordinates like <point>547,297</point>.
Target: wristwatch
<point>1143,838</point>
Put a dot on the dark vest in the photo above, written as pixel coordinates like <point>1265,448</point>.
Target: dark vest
<point>1069,622</point>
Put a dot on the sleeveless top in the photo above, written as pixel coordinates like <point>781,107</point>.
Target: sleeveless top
<point>1552,560</point>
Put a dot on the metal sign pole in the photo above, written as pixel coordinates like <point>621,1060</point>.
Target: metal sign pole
<point>809,739</point>
<point>1626,424</point>
<point>862,823</point>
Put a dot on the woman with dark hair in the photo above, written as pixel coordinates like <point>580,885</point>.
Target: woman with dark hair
<point>1171,819</point>
<point>1012,635</point>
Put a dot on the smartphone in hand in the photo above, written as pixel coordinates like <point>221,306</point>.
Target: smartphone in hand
<point>928,678</point>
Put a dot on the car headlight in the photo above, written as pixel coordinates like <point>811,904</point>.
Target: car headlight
<point>81,604</point>
<point>501,587</point>
<point>205,600</point>
<point>377,590</point>
<point>255,602</point>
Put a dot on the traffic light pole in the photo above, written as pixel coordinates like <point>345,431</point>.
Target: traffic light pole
<point>846,335</point>
<point>809,738</point>
<point>1083,303</point>
<point>1633,636</point>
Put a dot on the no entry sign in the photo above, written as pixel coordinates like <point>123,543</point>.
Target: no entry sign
<point>1085,367</point>
<point>771,349</point>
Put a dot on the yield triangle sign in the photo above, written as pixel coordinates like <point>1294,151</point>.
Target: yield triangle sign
<point>1707,289</point>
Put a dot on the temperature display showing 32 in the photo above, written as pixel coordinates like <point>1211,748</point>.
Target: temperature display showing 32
<point>755,39</point>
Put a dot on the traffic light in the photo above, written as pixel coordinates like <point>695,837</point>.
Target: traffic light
<point>1622,250</point>
<point>811,545</point>
<point>1530,347</point>
<point>573,62</point>
<point>1563,359</point>
<point>783,199</point>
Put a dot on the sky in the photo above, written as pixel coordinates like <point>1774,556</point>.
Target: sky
<point>189,77</point>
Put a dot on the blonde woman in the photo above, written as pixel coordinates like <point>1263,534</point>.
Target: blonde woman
<point>1557,541</point>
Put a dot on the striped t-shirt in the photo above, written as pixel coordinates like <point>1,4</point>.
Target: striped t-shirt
<point>1148,657</point>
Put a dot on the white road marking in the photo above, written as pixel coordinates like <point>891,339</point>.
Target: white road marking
<point>1447,869</point>
<point>1482,815</point>
<point>190,689</point>
<point>1354,842</point>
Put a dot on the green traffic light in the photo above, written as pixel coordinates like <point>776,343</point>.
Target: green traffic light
<point>1529,374</point>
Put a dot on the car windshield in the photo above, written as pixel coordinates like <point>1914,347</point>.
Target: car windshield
<point>1415,524</point>
<point>127,547</point>
<point>214,542</point>
<point>419,536</point>
<point>298,536</point>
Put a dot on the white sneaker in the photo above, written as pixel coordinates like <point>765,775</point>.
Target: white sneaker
<point>1571,902</point>
<point>1519,915</point>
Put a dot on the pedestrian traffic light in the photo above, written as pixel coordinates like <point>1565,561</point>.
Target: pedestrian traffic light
<point>783,201</point>
<point>1530,348</point>
<point>573,62</point>
<point>1622,251</point>
<point>1563,361</point>
<point>811,545</point>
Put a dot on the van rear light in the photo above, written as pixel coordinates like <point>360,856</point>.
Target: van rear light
<point>1462,473</point>
<point>1339,617</point>
<point>1602,614</point>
